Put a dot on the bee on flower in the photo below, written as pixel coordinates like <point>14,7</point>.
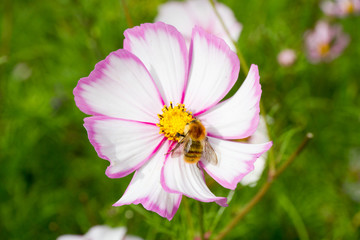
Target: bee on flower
<point>157,110</point>
<point>326,42</point>
<point>194,145</point>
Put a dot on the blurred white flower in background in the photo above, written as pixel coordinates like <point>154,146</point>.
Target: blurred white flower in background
<point>185,15</point>
<point>21,71</point>
<point>101,232</point>
<point>352,183</point>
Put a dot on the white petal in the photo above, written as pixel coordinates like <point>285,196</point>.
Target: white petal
<point>253,177</point>
<point>145,188</point>
<point>237,117</point>
<point>127,145</point>
<point>105,233</point>
<point>179,15</point>
<point>235,160</point>
<point>214,69</point>
<point>121,87</point>
<point>260,136</point>
<point>163,51</point>
<point>177,176</point>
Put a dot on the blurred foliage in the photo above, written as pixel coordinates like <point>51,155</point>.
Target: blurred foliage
<point>53,182</point>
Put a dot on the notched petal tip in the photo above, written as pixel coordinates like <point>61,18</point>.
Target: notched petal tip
<point>214,69</point>
<point>145,188</point>
<point>120,86</point>
<point>162,49</point>
<point>180,177</point>
<point>238,116</point>
<point>236,160</point>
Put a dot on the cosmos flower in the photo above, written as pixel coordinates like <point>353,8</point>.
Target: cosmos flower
<point>325,42</point>
<point>260,136</point>
<point>340,8</point>
<point>144,95</point>
<point>286,57</point>
<point>185,15</point>
<point>101,233</point>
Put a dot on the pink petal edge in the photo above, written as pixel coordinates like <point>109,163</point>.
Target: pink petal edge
<point>222,201</point>
<point>96,74</point>
<point>250,164</point>
<point>152,206</point>
<point>88,124</point>
<point>212,39</point>
<point>139,32</point>
<point>255,120</point>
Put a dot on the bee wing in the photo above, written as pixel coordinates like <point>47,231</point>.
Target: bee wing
<point>209,153</point>
<point>178,150</point>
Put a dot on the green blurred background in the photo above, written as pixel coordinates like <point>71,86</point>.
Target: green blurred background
<point>53,182</point>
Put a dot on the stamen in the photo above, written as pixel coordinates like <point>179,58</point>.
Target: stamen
<point>349,7</point>
<point>173,121</point>
<point>323,49</point>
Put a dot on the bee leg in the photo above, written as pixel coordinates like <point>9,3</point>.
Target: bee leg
<point>179,135</point>
<point>170,151</point>
<point>198,165</point>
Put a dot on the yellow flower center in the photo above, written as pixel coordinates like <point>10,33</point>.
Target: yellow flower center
<point>323,49</point>
<point>173,121</point>
<point>349,7</point>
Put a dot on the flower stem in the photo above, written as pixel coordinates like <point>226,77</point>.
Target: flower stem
<point>221,211</point>
<point>189,220</point>
<point>263,190</point>
<point>201,220</point>
<point>303,144</point>
<point>294,216</point>
<point>129,21</point>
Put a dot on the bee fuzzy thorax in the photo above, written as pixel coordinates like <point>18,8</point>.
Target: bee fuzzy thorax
<point>196,130</point>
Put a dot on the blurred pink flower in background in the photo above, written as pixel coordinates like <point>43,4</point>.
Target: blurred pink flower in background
<point>286,57</point>
<point>325,42</point>
<point>101,233</point>
<point>185,15</point>
<point>340,8</point>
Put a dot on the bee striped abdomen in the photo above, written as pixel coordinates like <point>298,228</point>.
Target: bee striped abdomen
<point>193,152</point>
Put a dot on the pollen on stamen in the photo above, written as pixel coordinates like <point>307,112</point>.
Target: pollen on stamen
<point>323,49</point>
<point>350,8</point>
<point>173,120</point>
